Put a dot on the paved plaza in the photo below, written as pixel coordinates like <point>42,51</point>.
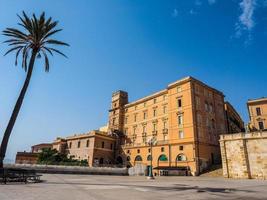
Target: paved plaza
<point>81,187</point>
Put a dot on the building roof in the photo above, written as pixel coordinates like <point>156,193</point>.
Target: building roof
<point>42,144</point>
<point>176,83</point>
<point>259,100</point>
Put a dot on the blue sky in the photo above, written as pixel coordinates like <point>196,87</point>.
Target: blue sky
<point>138,46</point>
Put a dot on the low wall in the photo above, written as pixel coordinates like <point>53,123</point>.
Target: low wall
<point>55,169</point>
<point>244,155</point>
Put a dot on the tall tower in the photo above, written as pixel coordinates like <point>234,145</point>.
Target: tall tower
<point>117,112</point>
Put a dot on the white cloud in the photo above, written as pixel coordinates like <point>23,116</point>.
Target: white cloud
<point>246,21</point>
<point>211,2</point>
<point>175,13</point>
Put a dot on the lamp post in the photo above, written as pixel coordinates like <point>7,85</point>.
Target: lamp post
<point>150,174</point>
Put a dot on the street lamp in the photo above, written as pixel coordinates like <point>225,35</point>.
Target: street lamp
<point>151,141</point>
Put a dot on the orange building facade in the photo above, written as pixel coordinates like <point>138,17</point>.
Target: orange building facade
<point>185,120</point>
<point>257,109</point>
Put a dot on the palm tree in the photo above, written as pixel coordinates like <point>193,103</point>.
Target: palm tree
<point>33,42</point>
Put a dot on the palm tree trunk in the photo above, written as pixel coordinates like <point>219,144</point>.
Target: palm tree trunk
<point>16,110</point>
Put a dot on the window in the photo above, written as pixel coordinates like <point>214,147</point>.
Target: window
<point>128,158</point>
<point>126,120</point>
<point>179,89</point>
<point>197,102</point>
<point>206,106</point>
<point>199,119</point>
<point>128,151</point>
<point>163,158</point>
<point>113,121</point>
<point>138,150</point>
<point>164,137</point>
<point>87,143</point>
<point>138,158</point>
<point>149,150</point>
<point>181,157</point>
<point>258,111</point>
<point>134,130</point>
<point>144,129</point>
<point>70,145</point>
<point>164,109</point>
<point>79,144</point>
<point>181,148</point>
<point>180,119</point>
<point>164,124</point>
<point>103,145</point>
<point>261,125</point>
<point>162,149</point>
<point>179,103</point>
<point>155,100</point>
<point>144,139</point>
<point>154,127</point>
<point>211,108</point>
<point>114,112</point>
<point>154,112</point>
<point>111,146</point>
<point>145,115</point>
<point>145,104</point>
<point>135,117</point>
<point>181,134</point>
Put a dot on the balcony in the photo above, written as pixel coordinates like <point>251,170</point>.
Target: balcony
<point>144,134</point>
<point>165,131</point>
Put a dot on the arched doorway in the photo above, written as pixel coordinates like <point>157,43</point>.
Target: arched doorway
<point>119,160</point>
<point>181,157</point>
<point>101,161</point>
<point>138,159</point>
<point>163,162</point>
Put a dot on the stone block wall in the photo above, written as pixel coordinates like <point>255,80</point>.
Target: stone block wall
<point>244,155</point>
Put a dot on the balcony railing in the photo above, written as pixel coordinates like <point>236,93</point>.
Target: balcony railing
<point>154,133</point>
<point>144,134</point>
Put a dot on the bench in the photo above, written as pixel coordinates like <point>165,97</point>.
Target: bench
<point>18,175</point>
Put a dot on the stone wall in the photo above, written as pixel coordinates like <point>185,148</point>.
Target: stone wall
<point>244,155</point>
<point>55,169</point>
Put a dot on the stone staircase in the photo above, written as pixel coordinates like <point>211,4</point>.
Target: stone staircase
<point>215,171</point>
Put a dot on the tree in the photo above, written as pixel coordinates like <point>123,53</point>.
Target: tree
<point>33,42</point>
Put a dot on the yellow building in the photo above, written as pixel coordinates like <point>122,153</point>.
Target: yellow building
<point>257,109</point>
<point>234,122</point>
<point>186,119</point>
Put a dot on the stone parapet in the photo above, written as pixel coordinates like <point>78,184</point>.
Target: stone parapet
<point>244,155</point>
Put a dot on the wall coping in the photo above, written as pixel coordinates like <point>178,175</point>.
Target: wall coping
<point>242,136</point>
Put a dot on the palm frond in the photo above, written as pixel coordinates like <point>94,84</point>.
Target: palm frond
<point>33,37</point>
<point>12,49</point>
<point>57,51</point>
<point>56,42</point>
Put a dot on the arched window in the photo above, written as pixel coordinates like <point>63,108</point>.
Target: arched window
<point>138,158</point>
<point>148,158</point>
<point>163,157</point>
<point>181,157</point>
